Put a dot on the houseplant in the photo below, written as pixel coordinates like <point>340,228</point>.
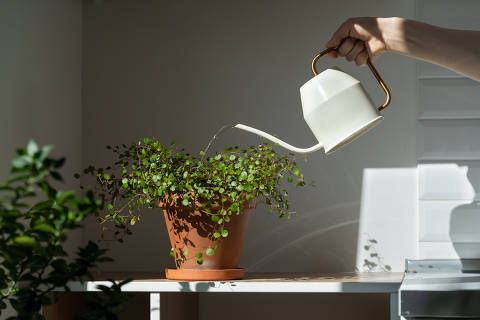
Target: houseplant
<point>205,202</point>
<point>35,219</point>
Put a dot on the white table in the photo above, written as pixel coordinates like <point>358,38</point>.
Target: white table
<point>168,298</point>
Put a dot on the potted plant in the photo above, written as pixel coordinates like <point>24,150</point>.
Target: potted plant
<point>205,202</point>
<point>35,219</point>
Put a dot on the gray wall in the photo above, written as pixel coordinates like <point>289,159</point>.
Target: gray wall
<point>178,70</point>
<point>40,81</point>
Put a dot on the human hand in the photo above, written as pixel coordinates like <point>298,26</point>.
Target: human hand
<point>358,39</point>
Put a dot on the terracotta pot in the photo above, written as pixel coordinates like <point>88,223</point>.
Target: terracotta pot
<point>189,229</point>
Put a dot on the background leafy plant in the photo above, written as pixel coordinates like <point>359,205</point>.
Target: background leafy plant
<point>146,173</point>
<point>34,221</point>
<point>108,305</point>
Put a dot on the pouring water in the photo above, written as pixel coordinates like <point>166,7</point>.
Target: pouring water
<point>215,136</point>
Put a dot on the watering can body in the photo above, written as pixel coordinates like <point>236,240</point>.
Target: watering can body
<point>336,107</point>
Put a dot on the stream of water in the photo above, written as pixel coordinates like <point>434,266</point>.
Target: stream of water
<point>215,136</point>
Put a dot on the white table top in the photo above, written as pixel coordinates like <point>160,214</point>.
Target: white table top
<point>355,282</point>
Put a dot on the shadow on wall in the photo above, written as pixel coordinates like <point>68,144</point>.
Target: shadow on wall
<point>465,221</point>
<point>449,215</point>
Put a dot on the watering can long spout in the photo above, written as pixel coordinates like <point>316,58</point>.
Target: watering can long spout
<point>278,141</point>
<point>336,108</point>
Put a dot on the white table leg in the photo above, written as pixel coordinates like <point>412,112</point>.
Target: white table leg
<point>154,306</point>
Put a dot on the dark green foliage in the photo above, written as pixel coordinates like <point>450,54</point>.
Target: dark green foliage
<point>146,172</point>
<point>34,221</point>
<point>108,305</point>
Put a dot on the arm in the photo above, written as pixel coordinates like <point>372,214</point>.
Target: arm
<point>360,38</point>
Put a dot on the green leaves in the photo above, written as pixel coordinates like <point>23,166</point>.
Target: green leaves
<point>296,171</point>
<point>145,173</point>
<point>35,219</point>
<point>107,305</point>
<point>24,241</point>
<point>44,227</point>
<point>21,162</point>
<point>32,148</point>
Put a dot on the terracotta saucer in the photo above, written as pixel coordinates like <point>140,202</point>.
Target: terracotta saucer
<point>204,275</point>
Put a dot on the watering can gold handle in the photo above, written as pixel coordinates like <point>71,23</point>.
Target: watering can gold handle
<point>372,68</point>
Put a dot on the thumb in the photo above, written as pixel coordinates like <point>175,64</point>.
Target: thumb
<point>375,47</point>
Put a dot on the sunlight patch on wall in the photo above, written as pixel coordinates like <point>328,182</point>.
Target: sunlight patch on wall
<point>388,215</point>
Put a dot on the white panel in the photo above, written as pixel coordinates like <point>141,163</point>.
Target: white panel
<point>465,223</point>
<point>388,214</point>
<point>436,250</point>
<point>449,129</point>
<point>434,219</point>
<point>458,224</point>
<point>449,180</point>
<point>452,9</point>
<point>449,250</point>
<point>454,98</point>
<point>449,140</point>
<point>467,250</point>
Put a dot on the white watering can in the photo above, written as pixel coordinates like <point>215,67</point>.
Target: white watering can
<point>336,107</point>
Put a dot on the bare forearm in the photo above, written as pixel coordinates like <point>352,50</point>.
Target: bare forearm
<point>458,50</point>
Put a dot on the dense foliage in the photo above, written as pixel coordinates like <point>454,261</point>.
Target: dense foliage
<point>146,173</point>
<point>34,221</point>
<point>106,306</point>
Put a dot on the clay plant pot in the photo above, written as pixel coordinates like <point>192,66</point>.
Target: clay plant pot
<point>189,229</point>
